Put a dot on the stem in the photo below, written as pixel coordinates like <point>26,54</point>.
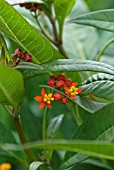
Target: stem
<point>23,138</point>
<point>45,124</point>
<point>104,48</point>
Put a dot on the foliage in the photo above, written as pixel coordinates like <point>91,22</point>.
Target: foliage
<point>62,60</point>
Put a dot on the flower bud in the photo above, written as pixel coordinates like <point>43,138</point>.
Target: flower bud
<point>61,77</point>
<point>64,100</point>
<point>27,57</point>
<point>51,82</point>
<point>60,84</point>
<point>57,96</point>
<point>68,82</point>
<point>53,77</point>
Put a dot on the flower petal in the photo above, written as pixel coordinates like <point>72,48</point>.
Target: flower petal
<point>66,88</point>
<point>41,105</point>
<point>79,90</point>
<point>74,84</point>
<point>43,92</point>
<point>38,98</point>
<point>73,97</point>
<point>49,105</point>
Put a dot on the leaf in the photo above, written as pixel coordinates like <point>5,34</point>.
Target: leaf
<point>91,148</point>
<point>31,70</point>
<point>99,126</point>
<point>100,85</point>
<point>35,165</point>
<point>19,30</point>
<point>62,9</point>
<point>12,2</point>
<point>11,86</point>
<point>4,50</point>
<point>103,19</point>
<point>89,105</point>
<point>54,126</point>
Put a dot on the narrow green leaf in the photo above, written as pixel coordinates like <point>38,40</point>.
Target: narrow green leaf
<point>91,148</point>
<point>4,50</point>
<point>35,165</point>
<point>103,19</point>
<point>100,85</point>
<point>62,9</point>
<point>18,29</point>
<point>65,65</point>
<point>11,86</point>
<point>12,2</point>
<point>54,126</point>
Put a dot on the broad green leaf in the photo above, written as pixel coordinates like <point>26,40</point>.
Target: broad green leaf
<point>11,86</point>
<point>99,126</point>
<point>31,70</point>
<point>14,2</point>
<point>103,19</point>
<point>62,9</point>
<point>54,126</point>
<point>4,50</point>
<point>91,148</point>
<point>89,105</point>
<point>35,165</point>
<point>18,29</point>
<point>100,85</point>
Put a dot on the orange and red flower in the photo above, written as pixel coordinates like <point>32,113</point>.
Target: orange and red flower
<point>72,90</point>
<point>45,99</point>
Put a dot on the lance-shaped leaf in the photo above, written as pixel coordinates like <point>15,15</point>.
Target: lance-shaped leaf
<point>100,85</point>
<point>18,29</point>
<point>62,9</point>
<point>31,70</point>
<point>12,2</point>
<point>11,86</point>
<point>103,19</point>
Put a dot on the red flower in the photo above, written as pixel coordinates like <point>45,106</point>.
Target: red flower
<point>72,90</point>
<point>45,99</point>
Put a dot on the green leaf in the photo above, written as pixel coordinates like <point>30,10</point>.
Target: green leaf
<point>31,70</point>
<point>4,50</point>
<point>54,126</point>
<point>89,105</point>
<point>99,126</point>
<point>103,19</point>
<point>62,9</point>
<point>18,29</point>
<point>35,165</point>
<point>12,2</point>
<point>91,148</point>
<point>11,86</point>
<point>100,85</point>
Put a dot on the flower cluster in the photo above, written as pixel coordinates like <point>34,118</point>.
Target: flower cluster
<point>5,166</point>
<point>32,6</point>
<point>65,85</point>
<point>21,56</point>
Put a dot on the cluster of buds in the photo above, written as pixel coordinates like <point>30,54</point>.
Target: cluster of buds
<point>19,56</point>
<point>32,6</point>
<point>65,85</point>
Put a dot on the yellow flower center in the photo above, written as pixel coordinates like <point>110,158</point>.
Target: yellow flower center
<point>5,166</point>
<point>48,98</point>
<point>73,90</point>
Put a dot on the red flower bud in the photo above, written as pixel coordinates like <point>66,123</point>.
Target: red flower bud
<point>17,62</point>
<point>60,84</point>
<point>68,82</point>
<point>64,100</point>
<point>53,77</point>
<point>17,52</point>
<point>38,6</point>
<point>51,82</point>
<point>27,57</point>
<point>61,77</point>
<point>33,9</point>
<point>28,6</point>
<point>57,96</point>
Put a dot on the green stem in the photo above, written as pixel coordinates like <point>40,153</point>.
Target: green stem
<point>45,124</point>
<point>104,48</point>
<point>22,137</point>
